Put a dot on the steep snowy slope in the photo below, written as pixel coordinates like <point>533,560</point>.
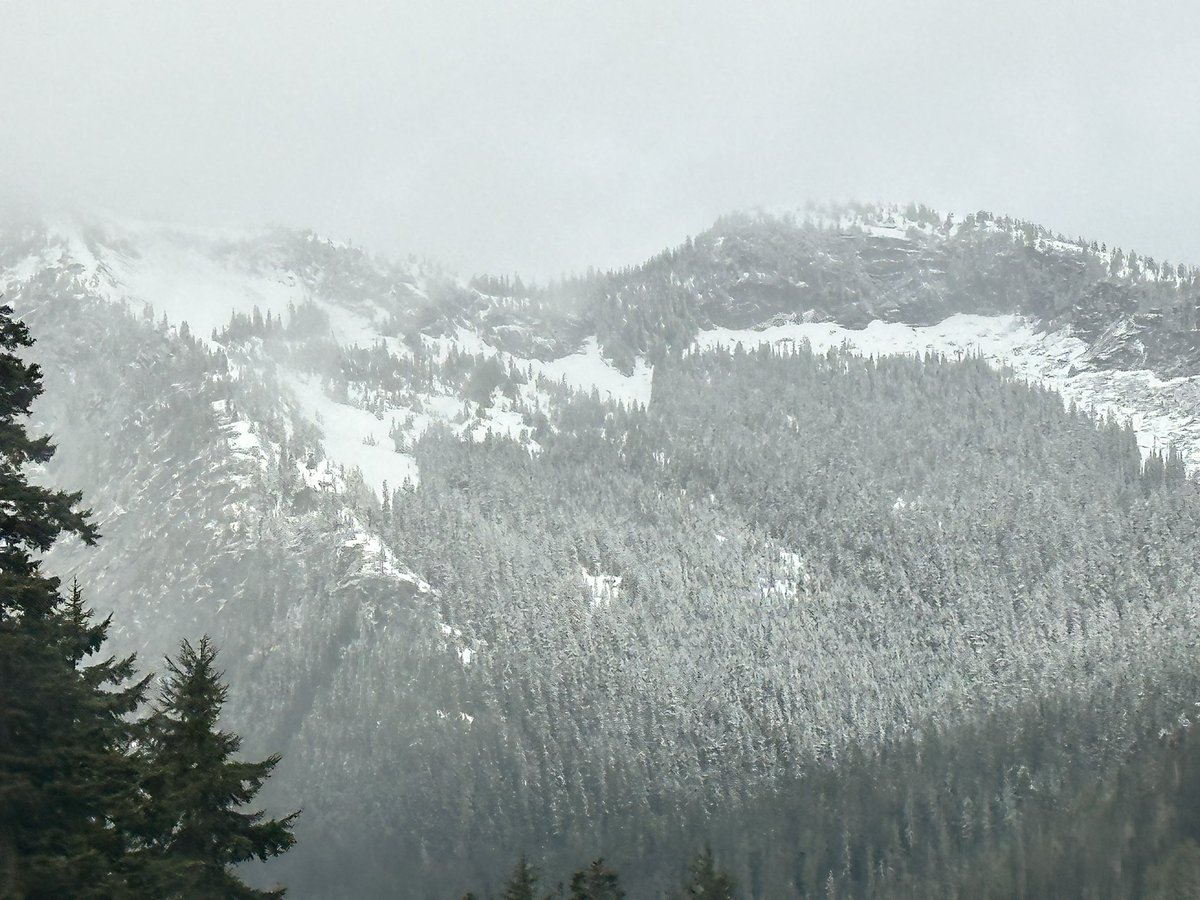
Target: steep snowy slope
<point>205,284</point>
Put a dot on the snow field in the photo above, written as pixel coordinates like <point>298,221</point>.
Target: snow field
<point>1158,410</point>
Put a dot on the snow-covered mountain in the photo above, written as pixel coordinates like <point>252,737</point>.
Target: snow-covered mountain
<point>196,281</point>
<point>248,414</point>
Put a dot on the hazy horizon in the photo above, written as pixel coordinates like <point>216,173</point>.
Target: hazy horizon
<point>545,139</point>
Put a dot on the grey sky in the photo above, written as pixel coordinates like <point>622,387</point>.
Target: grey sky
<point>547,136</point>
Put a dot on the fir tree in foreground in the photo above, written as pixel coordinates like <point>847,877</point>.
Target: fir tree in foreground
<point>93,802</point>
<point>195,829</point>
<point>66,780</point>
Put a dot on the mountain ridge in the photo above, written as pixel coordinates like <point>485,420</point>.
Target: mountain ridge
<point>574,478</point>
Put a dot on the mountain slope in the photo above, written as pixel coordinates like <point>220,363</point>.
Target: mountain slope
<point>624,575</point>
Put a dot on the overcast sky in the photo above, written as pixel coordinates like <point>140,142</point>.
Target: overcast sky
<point>542,137</point>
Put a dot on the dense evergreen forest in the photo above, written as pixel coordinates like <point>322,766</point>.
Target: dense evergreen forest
<point>792,577</point>
<point>896,627</point>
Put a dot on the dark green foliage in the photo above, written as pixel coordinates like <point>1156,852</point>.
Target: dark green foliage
<point>34,516</point>
<point>596,882</point>
<point>486,377</point>
<point>1177,875</point>
<point>523,883</point>
<point>65,782</point>
<point>599,882</point>
<point>707,881</point>
<point>195,829</point>
<point>965,814</point>
<point>86,801</point>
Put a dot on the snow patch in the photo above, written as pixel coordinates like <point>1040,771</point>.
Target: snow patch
<point>784,578</point>
<point>584,370</point>
<point>186,275</point>
<point>1157,410</point>
<point>353,437</point>
<point>587,370</point>
<point>177,274</point>
<point>603,589</point>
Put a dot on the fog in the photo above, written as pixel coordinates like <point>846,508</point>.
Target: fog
<point>545,137</point>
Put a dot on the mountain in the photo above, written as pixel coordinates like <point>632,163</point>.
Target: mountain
<point>614,564</point>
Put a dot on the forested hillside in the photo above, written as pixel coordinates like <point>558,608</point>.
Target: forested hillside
<point>860,263</point>
<point>783,561</point>
<point>569,571</point>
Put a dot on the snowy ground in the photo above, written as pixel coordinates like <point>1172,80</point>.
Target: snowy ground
<point>1162,412</point>
<point>354,437</point>
<point>602,589</point>
<point>587,370</point>
<point>584,370</point>
<point>185,275</point>
<point>357,438</point>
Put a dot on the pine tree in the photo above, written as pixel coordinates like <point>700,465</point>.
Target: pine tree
<point>596,882</point>
<point>195,831</point>
<point>523,883</point>
<point>706,880</point>
<point>65,780</point>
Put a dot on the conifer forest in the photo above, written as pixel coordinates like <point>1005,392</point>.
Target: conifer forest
<point>869,573</point>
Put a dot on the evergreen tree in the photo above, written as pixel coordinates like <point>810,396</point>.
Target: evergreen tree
<point>65,781</point>
<point>707,881</point>
<point>195,830</point>
<point>596,882</point>
<point>523,883</point>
